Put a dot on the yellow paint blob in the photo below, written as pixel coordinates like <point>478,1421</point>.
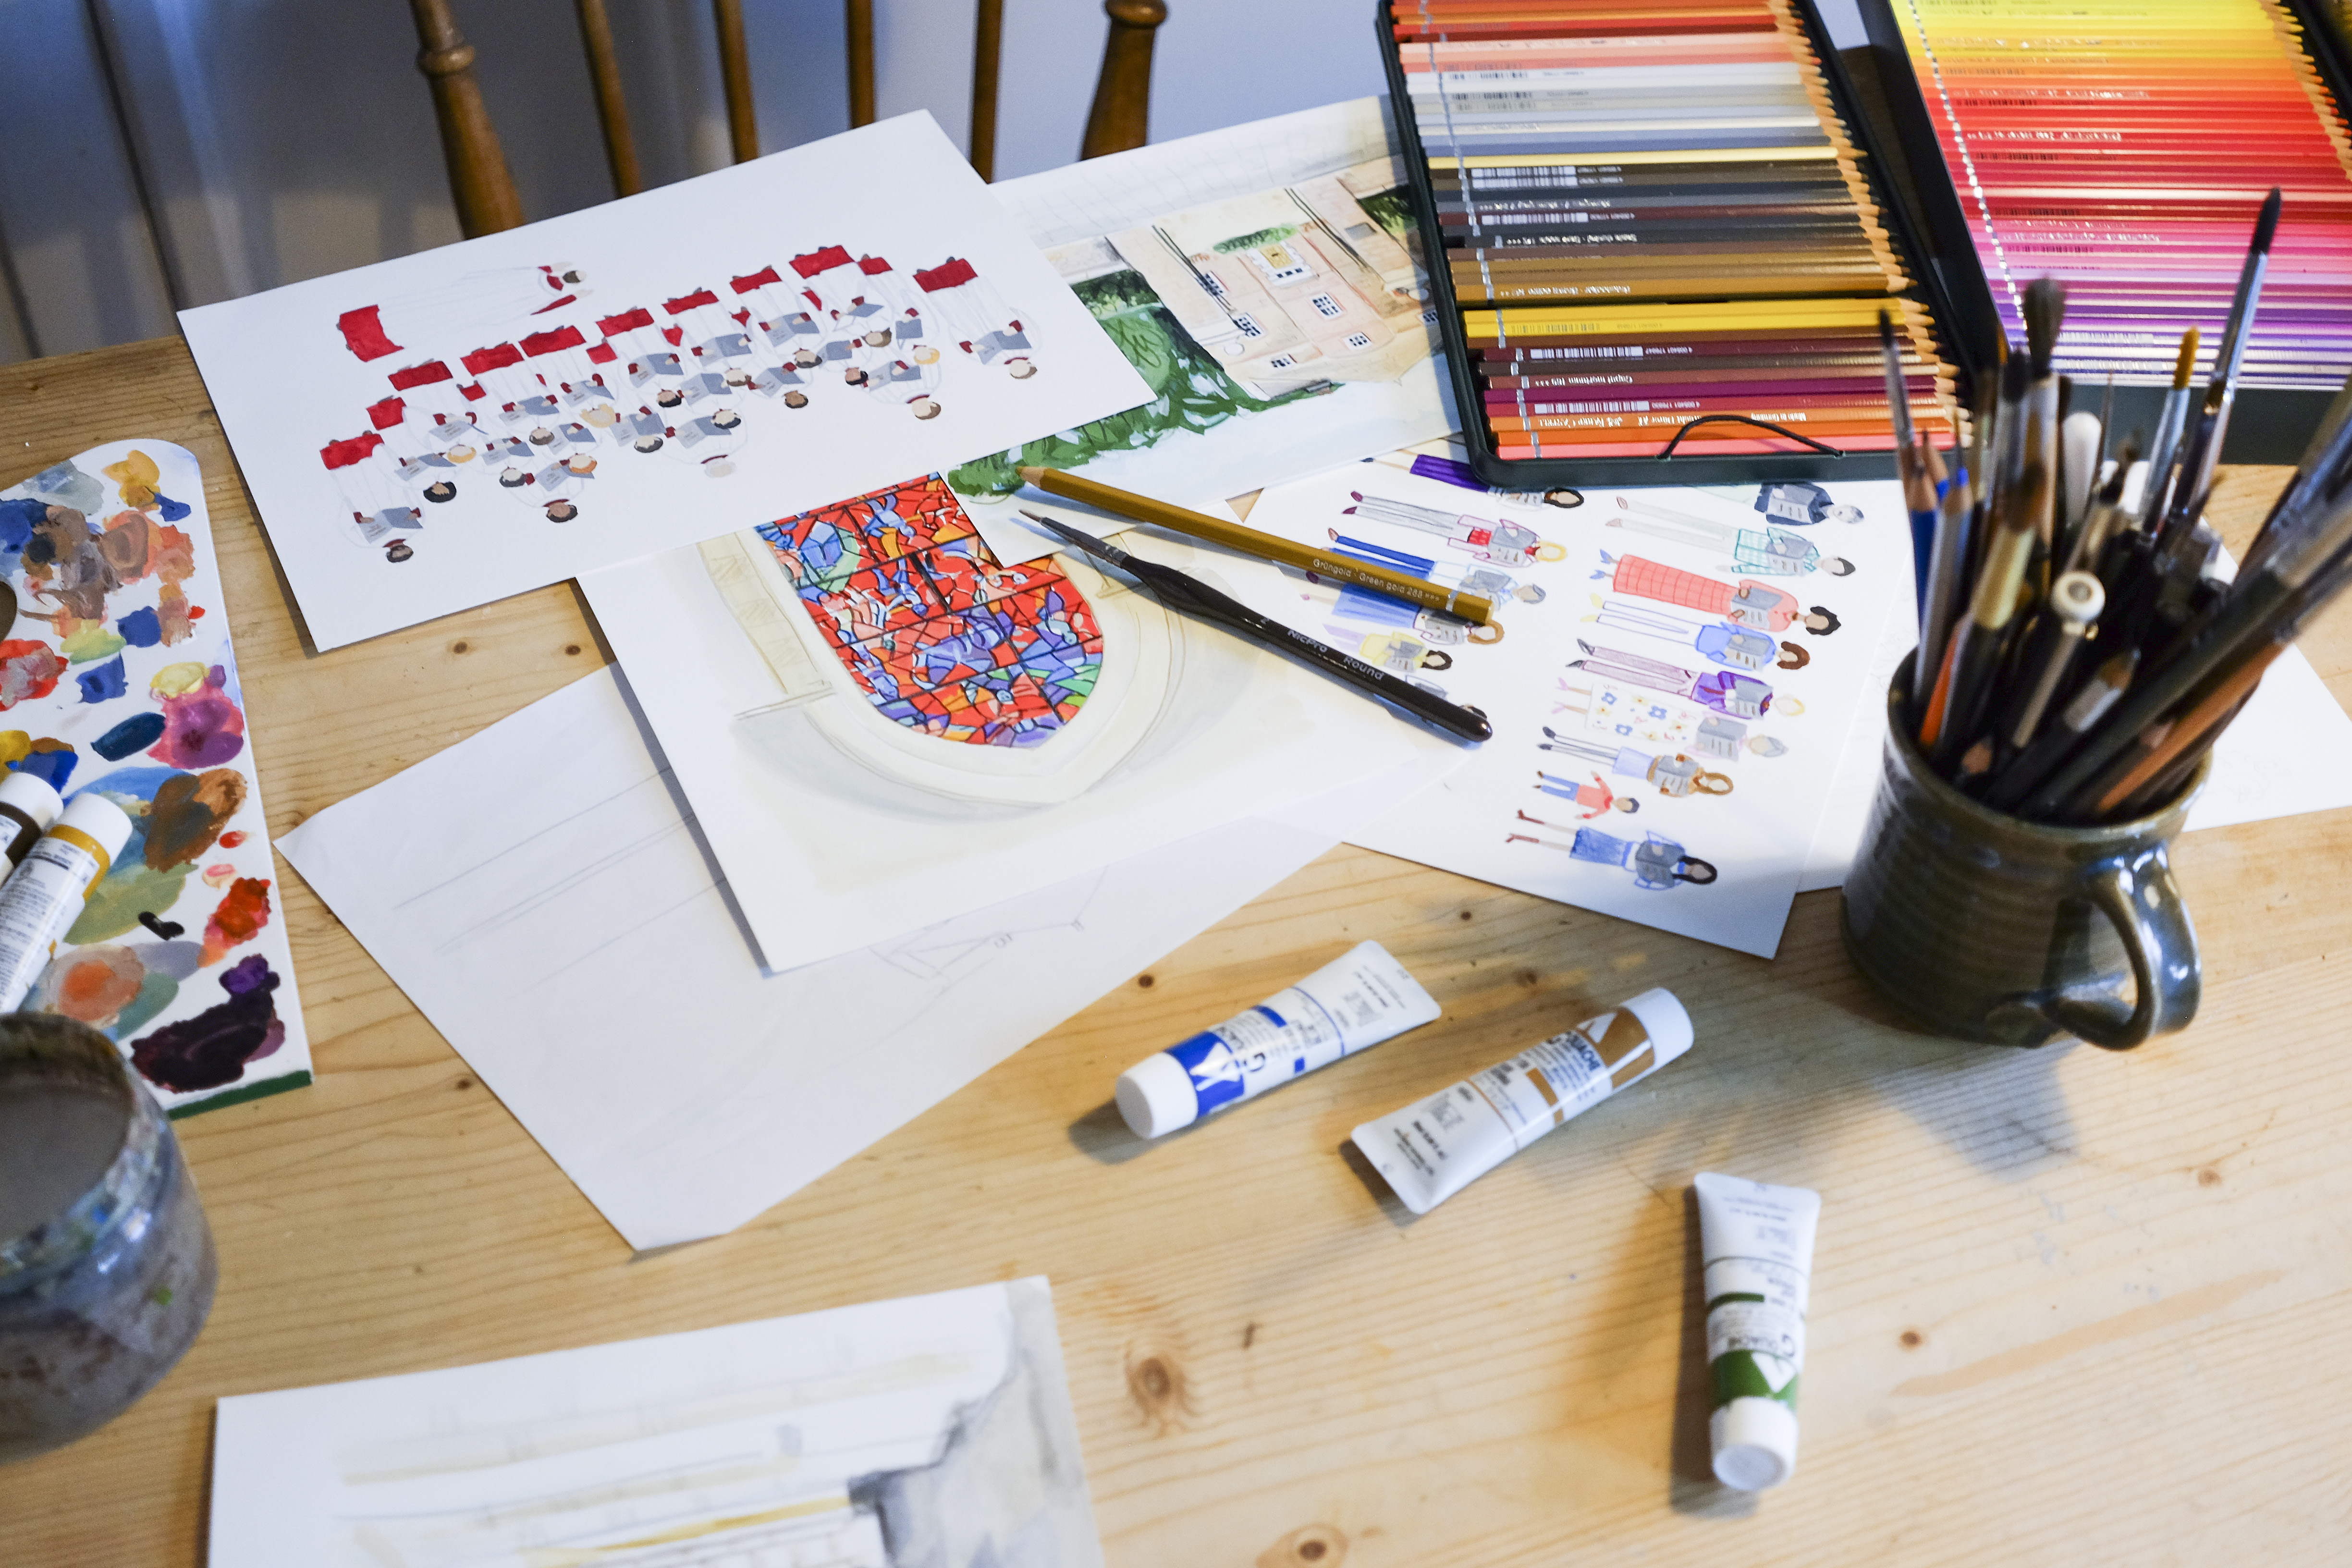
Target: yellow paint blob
<point>177,680</point>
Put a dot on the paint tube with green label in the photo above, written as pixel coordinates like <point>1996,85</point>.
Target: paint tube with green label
<point>1755,1244</point>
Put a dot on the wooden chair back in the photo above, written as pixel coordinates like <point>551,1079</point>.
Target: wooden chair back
<point>484,189</point>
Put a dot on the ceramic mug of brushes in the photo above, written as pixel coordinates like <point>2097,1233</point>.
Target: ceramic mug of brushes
<point>1983,927</point>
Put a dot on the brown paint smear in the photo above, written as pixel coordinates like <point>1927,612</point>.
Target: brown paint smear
<point>188,814</point>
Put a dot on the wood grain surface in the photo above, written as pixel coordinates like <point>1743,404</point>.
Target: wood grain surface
<point>2069,1308</point>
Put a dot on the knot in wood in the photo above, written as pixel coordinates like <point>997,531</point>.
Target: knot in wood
<point>1311,1546</point>
<point>1156,1382</point>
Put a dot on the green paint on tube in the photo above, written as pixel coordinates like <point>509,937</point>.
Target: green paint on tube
<point>1756,1245</point>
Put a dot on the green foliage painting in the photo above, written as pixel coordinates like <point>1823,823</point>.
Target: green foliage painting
<point>1189,390</point>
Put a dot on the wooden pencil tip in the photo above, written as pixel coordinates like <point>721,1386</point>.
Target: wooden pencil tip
<point>1031,476</point>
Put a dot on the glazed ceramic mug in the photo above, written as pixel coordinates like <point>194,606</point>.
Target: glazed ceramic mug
<point>1986,928</point>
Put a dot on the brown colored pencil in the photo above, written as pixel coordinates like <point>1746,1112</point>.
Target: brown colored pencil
<point>1327,564</point>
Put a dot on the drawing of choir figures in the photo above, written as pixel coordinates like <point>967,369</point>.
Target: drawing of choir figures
<point>642,355</point>
<point>1774,551</point>
<point>882,312</point>
<point>1726,691</point>
<point>770,309</point>
<point>1676,775</point>
<point>508,387</point>
<point>1658,863</point>
<point>961,308</point>
<point>430,388</point>
<point>831,284</point>
<point>706,336</point>
<point>496,300</point>
<point>564,361</point>
<point>376,499</point>
<point>1752,604</point>
<point>422,459</point>
<point>1500,543</point>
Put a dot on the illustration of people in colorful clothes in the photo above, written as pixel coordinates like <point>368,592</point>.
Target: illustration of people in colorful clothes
<point>1596,795</point>
<point>1753,604</point>
<point>1718,641</point>
<point>1726,691</point>
<point>1676,776</point>
<point>1775,551</point>
<point>1657,862</point>
<point>1499,542</point>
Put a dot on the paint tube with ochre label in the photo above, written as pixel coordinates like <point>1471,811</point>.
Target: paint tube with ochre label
<point>1756,1247</point>
<point>27,807</point>
<point>43,897</point>
<point>1429,1151</point>
<point>1358,999</point>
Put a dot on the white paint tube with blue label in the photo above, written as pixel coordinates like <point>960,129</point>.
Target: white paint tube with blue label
<point>1356,1001</point>
<point>1756,1246</point>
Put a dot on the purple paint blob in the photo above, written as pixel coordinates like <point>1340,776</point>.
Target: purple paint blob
<point>202,728</point>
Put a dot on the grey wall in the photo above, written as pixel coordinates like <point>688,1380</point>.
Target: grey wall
<point>276,139</point>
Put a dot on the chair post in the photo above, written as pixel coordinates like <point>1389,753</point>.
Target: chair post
<point>987,51</point>
<point>735,70</point>
<point>1122,117</point>
<point>478,179</point>
<point>612,108</point>
<point>860,17</point>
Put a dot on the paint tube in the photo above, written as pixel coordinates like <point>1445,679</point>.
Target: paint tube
<point>1357,1000</point>
<point>1756,1247</point>
<point>43,897</point>
<point>27,807</point>
<point>1431,1150</point>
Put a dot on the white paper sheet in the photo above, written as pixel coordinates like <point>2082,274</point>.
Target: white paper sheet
<point>1560,577</point>
<point>931,1430</point>
<point>118,677</point>
<point>1130,231</point>
<point>339,370</point>
<point>841,826</point>
<point>543,895</point>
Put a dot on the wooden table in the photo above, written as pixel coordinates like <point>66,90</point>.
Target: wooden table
<point>2069,1308</point>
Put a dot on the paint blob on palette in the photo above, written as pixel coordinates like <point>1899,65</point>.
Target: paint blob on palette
<point>118,677</point>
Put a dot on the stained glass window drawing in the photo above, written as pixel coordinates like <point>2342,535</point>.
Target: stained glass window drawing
<point>937,633</point>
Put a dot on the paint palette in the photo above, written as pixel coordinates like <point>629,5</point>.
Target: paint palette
<point>118,677</point>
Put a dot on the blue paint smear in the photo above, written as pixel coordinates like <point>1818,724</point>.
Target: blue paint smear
<point>16,521</point>
<point>52,768</point>
<point>133,734</point>
<point>174,511</point>
<point>140,628</point>
<point>103,683</point>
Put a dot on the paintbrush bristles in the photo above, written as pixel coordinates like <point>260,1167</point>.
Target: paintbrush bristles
<point>2187,366</point>
<point>2045,310</point>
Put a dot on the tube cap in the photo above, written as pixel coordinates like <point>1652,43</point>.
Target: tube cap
<point>1665,1021</point>
<point>100,818</point>
<point>1156,1097</point>
<point>31,793</point>
<point>1755,1442</point>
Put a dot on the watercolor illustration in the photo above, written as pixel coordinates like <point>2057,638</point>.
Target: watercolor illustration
<point>534,415</point>
<point>1235,308</point>
<point>439,430</point>
<point>118,677</point>
<point>1667,728</point>
<point>929,1432</point>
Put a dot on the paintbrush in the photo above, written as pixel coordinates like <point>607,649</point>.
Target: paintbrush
<point>1980,640</point>
<point>2045,311</point>
<point>2190,490</point>
<point>2168,425</point>
<point>1189,596</point>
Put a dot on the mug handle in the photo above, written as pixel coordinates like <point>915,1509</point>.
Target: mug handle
<point>2141,900</point>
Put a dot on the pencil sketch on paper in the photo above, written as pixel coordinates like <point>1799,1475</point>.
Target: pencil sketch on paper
<point>509,385</point>
<point>1234,309</point>
<point>934,1432</point>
